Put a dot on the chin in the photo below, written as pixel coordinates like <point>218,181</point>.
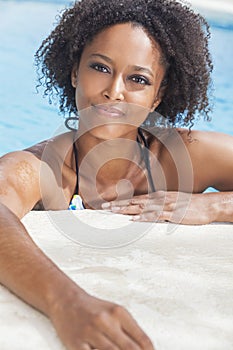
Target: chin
<point>109,132</point>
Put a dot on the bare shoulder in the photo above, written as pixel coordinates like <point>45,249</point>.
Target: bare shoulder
<point>19,181</point>
<point>211,154</point>
<point>207,156</point>
<point>15,163</point>
<point>204,143</point>
<point>199,144</point>
<point>29,175</point>
<point>59,146</point>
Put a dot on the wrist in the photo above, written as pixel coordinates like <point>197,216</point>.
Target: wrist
<point>61,292</point>
<point>221,207</point>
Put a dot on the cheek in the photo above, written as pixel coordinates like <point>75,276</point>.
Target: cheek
<point>79,97</point>
<point>143,98</point>
<point>88,89</point>
<point>83,93</point>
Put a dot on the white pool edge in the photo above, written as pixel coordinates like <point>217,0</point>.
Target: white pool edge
<point>224,6</point>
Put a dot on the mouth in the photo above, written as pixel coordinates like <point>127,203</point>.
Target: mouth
<point>108,110</point>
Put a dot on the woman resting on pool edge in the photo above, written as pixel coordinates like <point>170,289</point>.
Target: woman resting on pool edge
<point>114,62</point>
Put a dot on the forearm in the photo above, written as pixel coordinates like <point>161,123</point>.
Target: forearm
<point>221,206</point>
<point>25,269</point>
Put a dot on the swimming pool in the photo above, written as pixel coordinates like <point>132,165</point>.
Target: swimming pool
<point>26,117</point>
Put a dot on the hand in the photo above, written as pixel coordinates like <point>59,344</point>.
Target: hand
<point>84,322</point>
<point>176,207</point>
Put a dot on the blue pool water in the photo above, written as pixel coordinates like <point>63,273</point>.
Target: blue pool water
<point>26,117</point>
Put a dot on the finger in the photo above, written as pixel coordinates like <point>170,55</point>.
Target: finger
<point>154,197</point>
<point>123,340</point>
<point>137,206</point>
<point>123,331</point>
<point>160,207</point>
<point>118,340</point>
<point>130,338</point>
<point>121,203</point>
<point>138,209</point>
<point>132,328</point>
<point>125,202</point>
<point>129,210</point>
<point>100,341</point>
<point>153,217</point>
<point>111,335</point>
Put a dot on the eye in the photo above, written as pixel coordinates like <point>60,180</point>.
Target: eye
<point>99,67</point>
<point>139,79</point>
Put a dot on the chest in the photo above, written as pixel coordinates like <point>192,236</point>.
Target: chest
<point>95,189</point>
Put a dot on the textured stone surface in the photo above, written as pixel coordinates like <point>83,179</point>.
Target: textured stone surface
<point>177,281</point>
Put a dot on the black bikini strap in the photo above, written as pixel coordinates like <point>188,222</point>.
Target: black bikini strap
<point>76,166</point>
<point>147,159</point>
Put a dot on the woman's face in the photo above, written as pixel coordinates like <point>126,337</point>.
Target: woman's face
<point>118,78</point>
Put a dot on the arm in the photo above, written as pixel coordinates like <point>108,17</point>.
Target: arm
<point>211,155</point>
<point>24,269</point>
<point>81,320</point>
<point>177,207</point>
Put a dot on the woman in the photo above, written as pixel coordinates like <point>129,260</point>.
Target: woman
<point>119,65</point>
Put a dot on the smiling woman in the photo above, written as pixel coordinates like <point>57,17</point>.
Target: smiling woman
<point>132,81</point>
<point>135,84</point>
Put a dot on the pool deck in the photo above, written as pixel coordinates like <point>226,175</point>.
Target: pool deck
<point>175,280</point>
<point>215,5</point>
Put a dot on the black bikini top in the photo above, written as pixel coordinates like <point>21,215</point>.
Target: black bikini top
<point>145,155</point>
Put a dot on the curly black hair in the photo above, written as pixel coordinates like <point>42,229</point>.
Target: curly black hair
<point>181,33</point>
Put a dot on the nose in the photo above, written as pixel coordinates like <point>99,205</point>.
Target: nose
<point>115,91</point>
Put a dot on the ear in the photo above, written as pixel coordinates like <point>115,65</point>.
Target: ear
<point>74,76</point>
<point>155,104</point>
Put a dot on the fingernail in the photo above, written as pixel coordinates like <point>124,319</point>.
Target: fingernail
<point>105,205</point>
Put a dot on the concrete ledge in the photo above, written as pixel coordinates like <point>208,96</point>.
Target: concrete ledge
<point>175,280</point>
<point>213,5</point>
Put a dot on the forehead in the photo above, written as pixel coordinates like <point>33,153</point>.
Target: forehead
<point>126,41</point>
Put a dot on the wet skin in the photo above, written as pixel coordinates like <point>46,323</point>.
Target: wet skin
<point>121,67</point>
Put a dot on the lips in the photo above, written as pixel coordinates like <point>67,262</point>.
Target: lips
<point>109,111</point>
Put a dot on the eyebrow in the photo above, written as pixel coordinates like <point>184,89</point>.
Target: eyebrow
<point>136,68</point>
<point>143,69</point>
<point>106,58</point>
